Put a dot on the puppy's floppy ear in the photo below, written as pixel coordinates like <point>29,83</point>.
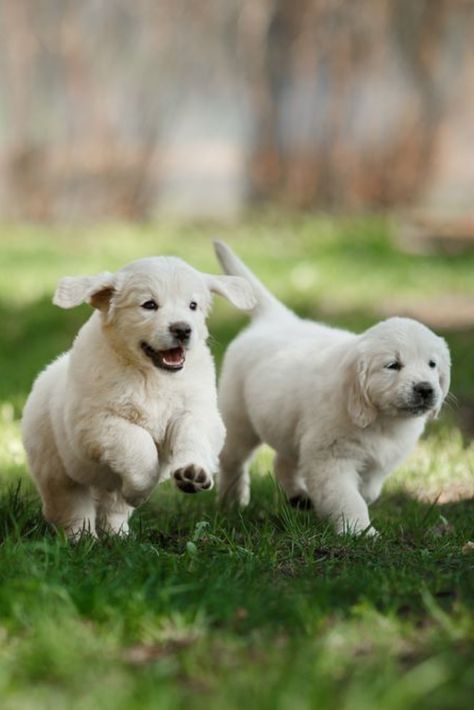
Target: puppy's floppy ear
<point>360,409</point>
<point>236,289</point>
<point>74,290</point>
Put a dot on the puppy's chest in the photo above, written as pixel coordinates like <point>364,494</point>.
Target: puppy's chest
<point>152,413</point>
<point>382,453</point>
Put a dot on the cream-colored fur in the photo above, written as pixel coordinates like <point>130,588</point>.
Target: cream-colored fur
<point>105,423</point>
<point>332,404</point>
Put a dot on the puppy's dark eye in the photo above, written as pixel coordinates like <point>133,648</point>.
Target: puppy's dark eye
<point>432,363</point>
<point>150,305</point>
<point>395,365</point>
<point>193,305</point>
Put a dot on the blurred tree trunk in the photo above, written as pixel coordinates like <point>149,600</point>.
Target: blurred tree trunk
<point>117,109</point>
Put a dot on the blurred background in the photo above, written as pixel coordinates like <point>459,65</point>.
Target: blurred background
<point>204,108</point>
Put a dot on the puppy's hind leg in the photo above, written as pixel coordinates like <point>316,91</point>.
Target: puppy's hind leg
<point>233,481</point>
<point>293,485</point>
<point>66,504</point>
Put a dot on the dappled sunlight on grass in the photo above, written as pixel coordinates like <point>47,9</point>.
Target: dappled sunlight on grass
<point>12,453</point>
<point>441,469</point>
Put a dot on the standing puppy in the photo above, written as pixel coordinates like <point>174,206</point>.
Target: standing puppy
<point>341,410</point>
<point>134,400</point>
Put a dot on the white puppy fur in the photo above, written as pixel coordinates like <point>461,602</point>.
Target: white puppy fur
<point>341,410</point>
<point>134,401</point>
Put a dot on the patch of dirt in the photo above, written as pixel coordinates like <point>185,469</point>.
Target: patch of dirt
<point>430,234</point>
<point>454,493</point>
<point>142,653</point>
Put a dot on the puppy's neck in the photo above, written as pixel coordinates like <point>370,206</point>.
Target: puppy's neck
<point>394,425</point>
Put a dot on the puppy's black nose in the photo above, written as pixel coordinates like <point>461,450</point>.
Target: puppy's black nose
<point>424,390</point>
<point>181,331</point>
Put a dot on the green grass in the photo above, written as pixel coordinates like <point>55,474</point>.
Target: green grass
<point>265,608</point>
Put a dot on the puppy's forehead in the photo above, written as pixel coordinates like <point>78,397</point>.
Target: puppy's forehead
<point>404,335</point>
<point>162,271</point>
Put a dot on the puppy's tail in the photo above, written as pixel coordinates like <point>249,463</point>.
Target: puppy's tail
<point>232,265</point>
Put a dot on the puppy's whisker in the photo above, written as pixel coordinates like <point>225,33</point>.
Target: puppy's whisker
<point>452,403</point>
<point>215,343</point>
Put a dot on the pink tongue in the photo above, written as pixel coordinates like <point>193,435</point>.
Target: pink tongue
<point>174,356</point>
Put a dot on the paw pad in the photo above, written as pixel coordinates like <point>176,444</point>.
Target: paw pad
<point>192,479</point>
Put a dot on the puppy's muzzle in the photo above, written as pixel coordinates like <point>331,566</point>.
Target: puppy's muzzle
<point>423,396</point>
<point>173,358</point>
<point>181,331</point>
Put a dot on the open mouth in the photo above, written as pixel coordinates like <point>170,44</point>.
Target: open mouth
<point>172,359</point>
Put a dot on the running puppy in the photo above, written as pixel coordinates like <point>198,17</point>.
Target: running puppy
<point>134,401</point>
<point>341,410</point>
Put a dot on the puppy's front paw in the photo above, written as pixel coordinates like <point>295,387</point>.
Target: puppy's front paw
<point>371,532</point>
<point>136,490</point>
<point>135,497</point>
<point>356,529</point>
<point>192,479</point>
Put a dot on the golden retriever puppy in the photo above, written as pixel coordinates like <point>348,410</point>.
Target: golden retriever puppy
<point>134,400</point>
<point>341,410</point>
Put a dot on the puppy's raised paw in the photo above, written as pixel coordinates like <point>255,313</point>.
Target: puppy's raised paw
<point>192,479</point>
